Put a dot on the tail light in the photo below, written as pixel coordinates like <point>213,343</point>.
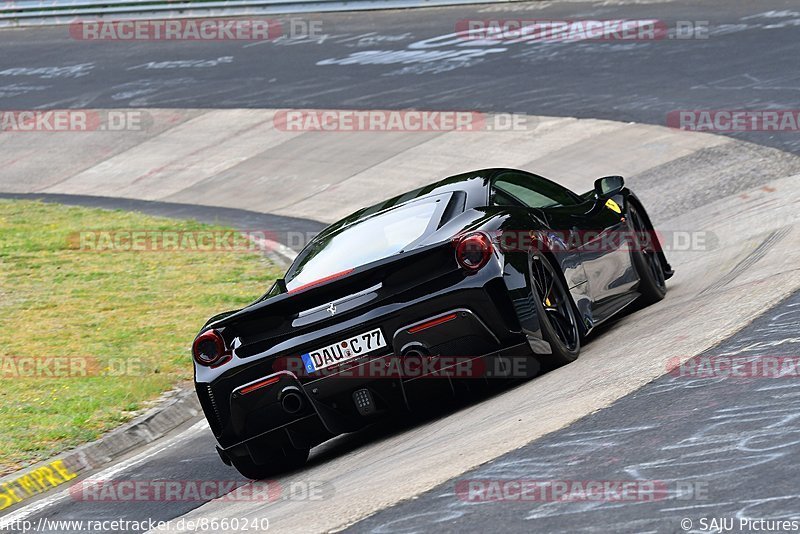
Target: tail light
<point>209,349</point>
<point>473,251</point>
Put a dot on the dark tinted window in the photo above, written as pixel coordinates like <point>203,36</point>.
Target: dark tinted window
<point>530,190</point>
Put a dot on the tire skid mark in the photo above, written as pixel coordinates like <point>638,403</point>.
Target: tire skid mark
<point>759,252</point>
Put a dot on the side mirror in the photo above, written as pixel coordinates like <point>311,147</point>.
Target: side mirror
<point>608,186</point>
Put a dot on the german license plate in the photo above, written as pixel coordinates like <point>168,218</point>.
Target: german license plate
<point>348,349</point>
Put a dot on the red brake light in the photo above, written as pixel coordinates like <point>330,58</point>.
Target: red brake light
<point>208,348</point>
<point>259,385</point>
<point>473,251</point>
<point>431,323</point>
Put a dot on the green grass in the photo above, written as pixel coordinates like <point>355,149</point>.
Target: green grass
<point>104,307</point>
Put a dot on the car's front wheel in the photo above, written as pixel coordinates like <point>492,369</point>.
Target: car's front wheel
<point>287,459</point>
<point>558,320</point>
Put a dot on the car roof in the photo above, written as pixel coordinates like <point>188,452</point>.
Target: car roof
<point>474,183</point>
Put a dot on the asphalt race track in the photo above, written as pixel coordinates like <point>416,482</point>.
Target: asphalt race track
<point>749,61</point>
<point>726,452</point>
<point>611,415</point>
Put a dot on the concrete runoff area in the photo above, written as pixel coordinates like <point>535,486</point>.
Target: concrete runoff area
<point>238,159</point>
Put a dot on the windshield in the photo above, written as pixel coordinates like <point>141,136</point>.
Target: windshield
<point>365,241</point>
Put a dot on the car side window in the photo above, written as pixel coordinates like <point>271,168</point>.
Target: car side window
<point>512,189</point>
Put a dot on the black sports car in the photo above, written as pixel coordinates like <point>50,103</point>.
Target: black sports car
<point>492,273</point>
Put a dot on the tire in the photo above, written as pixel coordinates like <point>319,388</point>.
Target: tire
<point>287,460</point>
<point>556,312</point>
<point>652,281</point>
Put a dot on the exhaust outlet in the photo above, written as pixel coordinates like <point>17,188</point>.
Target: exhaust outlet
<point>291,400</point>
<point>415,350</point>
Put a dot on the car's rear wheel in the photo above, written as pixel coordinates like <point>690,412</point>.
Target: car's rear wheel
<point>287,459</point>
<point>558,320</point>
<point>652,284</point>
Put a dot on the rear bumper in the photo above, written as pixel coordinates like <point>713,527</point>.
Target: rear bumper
<point>244,403</point>
<point>329,409</point>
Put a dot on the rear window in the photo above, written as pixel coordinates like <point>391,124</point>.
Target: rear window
<point>367,240</point>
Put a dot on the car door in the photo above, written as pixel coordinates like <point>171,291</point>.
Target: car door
<point>539,195</point>
<point>604,246</point>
